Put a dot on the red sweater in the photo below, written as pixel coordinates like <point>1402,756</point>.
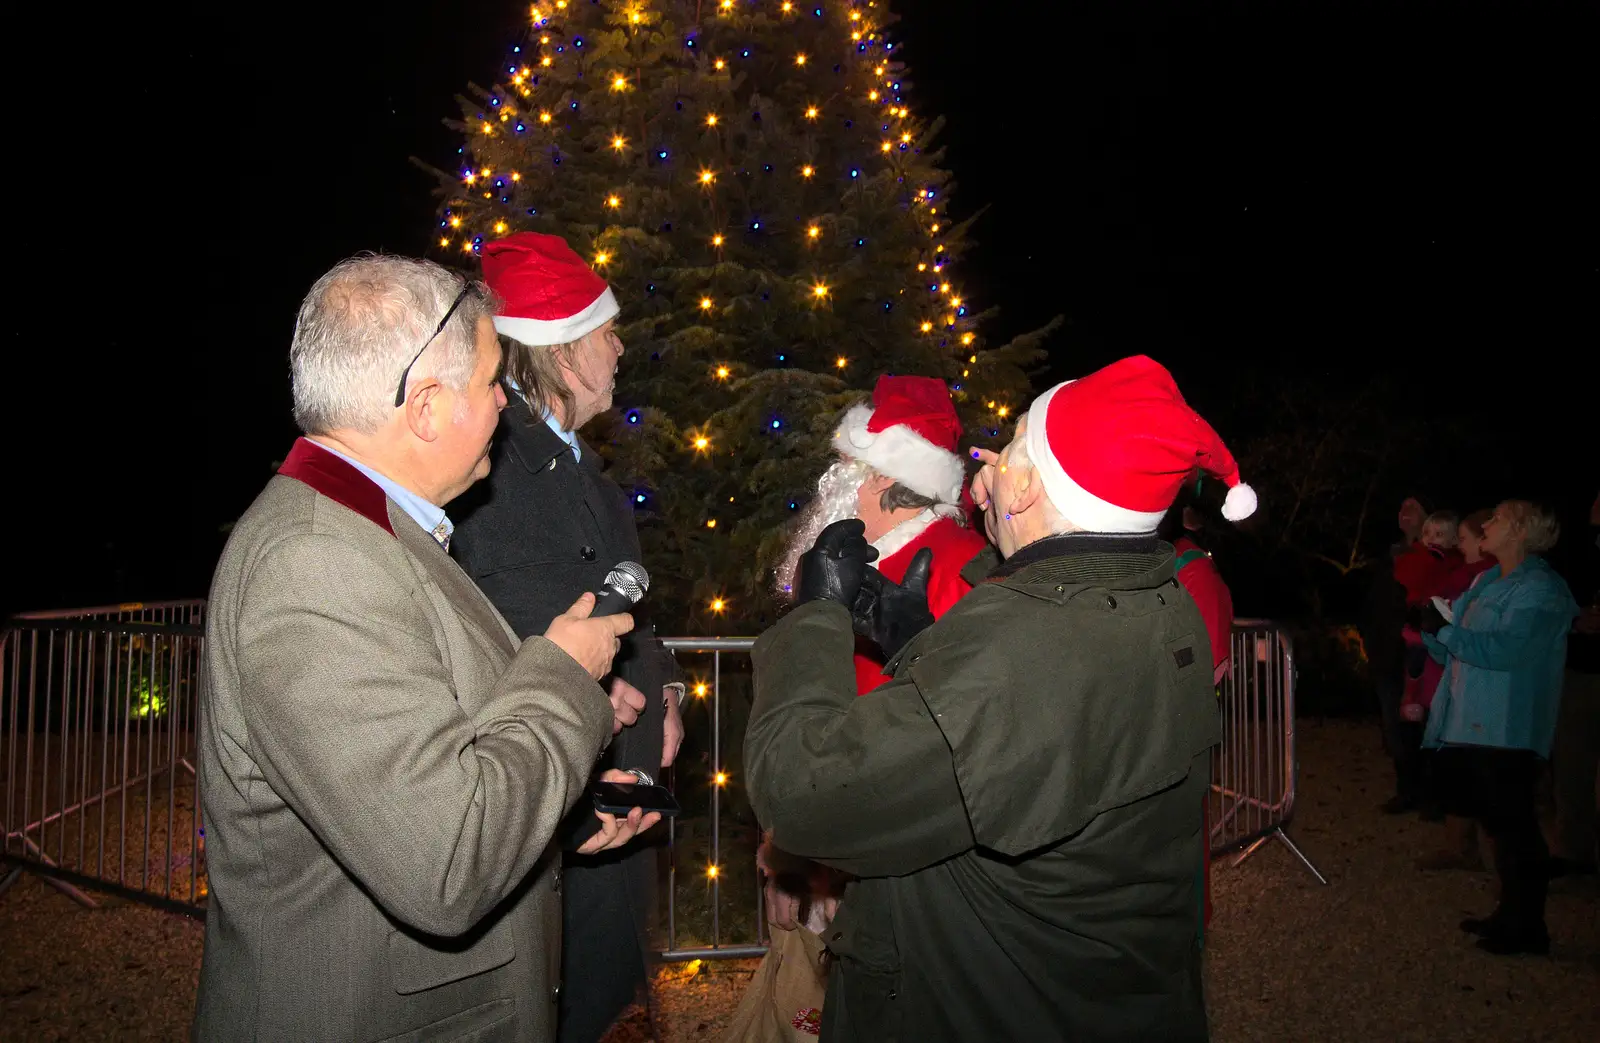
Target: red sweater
<point>1204,583</point>
<point>1423,571</point>
<point>953,546</point>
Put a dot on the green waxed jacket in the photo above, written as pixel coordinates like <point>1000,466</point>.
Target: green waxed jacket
<point>1021,803</point>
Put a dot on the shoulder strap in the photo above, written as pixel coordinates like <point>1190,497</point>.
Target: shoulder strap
<point>1188,557</point>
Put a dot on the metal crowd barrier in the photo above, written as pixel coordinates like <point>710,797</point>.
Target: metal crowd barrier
<point>98,709</point>
<point>1253,775</point>
<point>1254,771</point>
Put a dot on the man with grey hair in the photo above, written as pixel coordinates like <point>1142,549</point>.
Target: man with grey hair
<point>1018,802</point>
<point>383,763</point>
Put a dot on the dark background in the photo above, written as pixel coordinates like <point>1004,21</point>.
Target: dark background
<point>1397,191</point>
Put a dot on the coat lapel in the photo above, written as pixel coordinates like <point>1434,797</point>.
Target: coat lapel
<point>473,608</point>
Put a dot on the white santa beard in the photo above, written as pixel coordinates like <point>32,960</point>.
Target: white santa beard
<point>836,500</point>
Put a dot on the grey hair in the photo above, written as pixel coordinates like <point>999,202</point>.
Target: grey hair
<point>535,372</point>
<point>897,497</point>
<point>360,325</point>
<point>1017,456</point>
<point>1539,524</point>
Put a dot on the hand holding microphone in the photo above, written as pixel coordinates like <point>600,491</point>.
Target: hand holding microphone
<point>591,630</point>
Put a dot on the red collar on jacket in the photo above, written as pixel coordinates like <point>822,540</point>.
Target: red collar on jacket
<point>334,478</point>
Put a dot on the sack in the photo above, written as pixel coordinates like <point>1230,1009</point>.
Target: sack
<point>784,1001</point>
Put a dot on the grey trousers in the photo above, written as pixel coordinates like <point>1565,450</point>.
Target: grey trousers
<point>1575,765</point>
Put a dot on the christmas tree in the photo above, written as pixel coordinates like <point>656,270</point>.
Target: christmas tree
<point>751,178</point>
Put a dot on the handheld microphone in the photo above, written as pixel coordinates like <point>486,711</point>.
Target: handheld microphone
<point>624,586</point>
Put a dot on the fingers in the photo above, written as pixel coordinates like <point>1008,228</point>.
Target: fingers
<point>615,832</point>
<point>621,689</point>
<point>917,573</point>
<point>984,456</point>
<point>582,607</point>
<point>621,623</point>
<point>604,838</point>
<point>618,775</point>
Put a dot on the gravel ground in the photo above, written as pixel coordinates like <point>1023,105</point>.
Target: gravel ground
<point>1374,956</point>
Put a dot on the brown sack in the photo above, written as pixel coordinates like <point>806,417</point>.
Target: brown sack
<point>784,1001</point>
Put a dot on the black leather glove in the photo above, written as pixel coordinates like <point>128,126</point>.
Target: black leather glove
<point>1432,621</point>
<point>891,613</point>
<point>835,566</point>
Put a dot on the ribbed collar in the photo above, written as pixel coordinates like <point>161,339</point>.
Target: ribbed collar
<point>1087,557</point>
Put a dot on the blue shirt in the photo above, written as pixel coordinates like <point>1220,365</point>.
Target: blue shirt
<point>425,514</point>
<point>569,437</point>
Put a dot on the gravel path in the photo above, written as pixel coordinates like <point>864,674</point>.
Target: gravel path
<point>1375,956</point>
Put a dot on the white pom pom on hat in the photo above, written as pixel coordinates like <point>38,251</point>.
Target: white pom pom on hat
<point>1240,503</point>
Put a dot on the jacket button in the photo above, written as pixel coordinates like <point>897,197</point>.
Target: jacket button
<point>555,993</point>
<point>1111,602</point>
<point>551,466</point>
<point>587,554</point>
<point>837,935</point>
<point>893,994</point>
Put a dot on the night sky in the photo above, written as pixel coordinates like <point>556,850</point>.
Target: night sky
<point>1349,190</point>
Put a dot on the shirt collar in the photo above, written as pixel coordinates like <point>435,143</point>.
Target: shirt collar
<point>430,516</point>
<point>569,437</point>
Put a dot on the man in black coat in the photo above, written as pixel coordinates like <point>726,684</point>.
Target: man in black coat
<point>546,526</point>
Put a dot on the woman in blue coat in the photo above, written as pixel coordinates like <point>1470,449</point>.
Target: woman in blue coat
<point>1494,715</point>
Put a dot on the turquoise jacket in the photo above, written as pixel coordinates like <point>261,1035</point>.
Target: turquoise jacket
<point>1504,657</point>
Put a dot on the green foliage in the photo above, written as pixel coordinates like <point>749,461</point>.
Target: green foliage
<point>777,231</point>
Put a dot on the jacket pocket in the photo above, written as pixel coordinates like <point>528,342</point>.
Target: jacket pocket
<point>416,967</point>
<point>492,1022</point>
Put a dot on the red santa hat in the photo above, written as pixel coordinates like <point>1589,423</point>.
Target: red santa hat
<point>1115,447</point>
<point>909,433</point>
<point>550,295</point>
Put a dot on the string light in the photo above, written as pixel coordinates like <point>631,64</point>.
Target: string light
<point>727,4</point>
<point>700,690</point>
<point>872,95</point>
<point>922,267</point>
<point>717,604</point>
<point>955,302</point>
<point>613,202</point>
<point>927,327</point>
<point>499,228</point>
<point>887,146</point>
<point>878,71</point>
<point>1001,412</point>
<point>544,39</point>
<point>820,290</point>
<point>716,240</point>
<point>944,287</point>
<point>813,231</point>
<point>841,362</point>
<point>720,64</point>
<point>619,142</point>
<point>635,17</point>
<point>811,112</point>
<point>906,137</point>
<point>711,523</point>
<point>722,778</point>
<point>455,222</point>
<point>799,59</point>
<point>545,61</point>
<point>706,177</point>
<point>705,304</point>
<point>444,242</point>
<point>722,372</point>
<point>466,246</point>
<point>516,176</point>
<point>855,16</point>
<point>711,120</point>
<point>702,443</point>
<point>787,6</point>
<point>806,171</point>
<point>619,83</point>
<point>966,338</point>
<point>711,871</point>
<point>544,117</point>
<point>935,228</point>
<point>470,178</point>
<point>855,36</point>
<point>602,258</point>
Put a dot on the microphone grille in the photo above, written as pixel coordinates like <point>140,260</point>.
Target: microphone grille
<point>629,579</point>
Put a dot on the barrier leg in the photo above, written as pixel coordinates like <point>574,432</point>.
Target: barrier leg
<point>60,885</point>
<point>1279,834</point>
<point>10,878</point>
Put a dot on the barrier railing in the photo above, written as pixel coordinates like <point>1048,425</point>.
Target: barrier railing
<point>1254,771</point>
<point>97,785</point>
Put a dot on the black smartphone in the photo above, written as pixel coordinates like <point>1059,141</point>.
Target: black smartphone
<point>619,798</point>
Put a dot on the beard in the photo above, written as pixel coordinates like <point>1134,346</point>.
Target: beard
<point>837,490</point>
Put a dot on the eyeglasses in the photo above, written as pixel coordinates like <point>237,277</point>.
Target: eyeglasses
<point>400,393</point>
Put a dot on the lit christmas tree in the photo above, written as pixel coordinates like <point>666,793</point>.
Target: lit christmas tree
<point>751,179</point>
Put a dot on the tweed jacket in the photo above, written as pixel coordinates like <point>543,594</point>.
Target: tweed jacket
<point>382,767</point>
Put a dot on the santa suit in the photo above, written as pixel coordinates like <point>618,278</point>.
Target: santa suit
<point>953,546</point>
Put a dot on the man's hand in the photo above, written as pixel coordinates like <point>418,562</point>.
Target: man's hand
<point>593,643</point>
<point>615,832</point>
<point>671,728</point>
<point>627,703</point>
<point>835,566</point>
<point>985,476</point>
<point>891,613</point>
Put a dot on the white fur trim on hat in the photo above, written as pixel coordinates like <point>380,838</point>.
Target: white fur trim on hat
<point>537,332</point>
<point>1077,504</point>
<point>902,454</point>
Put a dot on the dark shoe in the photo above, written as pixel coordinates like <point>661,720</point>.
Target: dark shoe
<point>1484,926</point>
<point>1397,806</point>
<point>1519,943</point>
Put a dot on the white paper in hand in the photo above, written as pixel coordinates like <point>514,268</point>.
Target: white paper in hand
<point>1444,609</point>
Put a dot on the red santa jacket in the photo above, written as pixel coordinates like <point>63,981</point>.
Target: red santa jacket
<point>1201,579</point>
<point>953,546</point>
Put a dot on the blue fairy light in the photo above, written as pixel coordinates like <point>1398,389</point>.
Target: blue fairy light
<point>638,497</point>
<point>791,507</point>
<point>782,357</point>
<point>532,211</point>
<point>516,50</point>
<point>560,49</point>
<point>574,106</point>
<point>577,41</point>
<point>520,127</point>
<point>633,416</point>
<point>776,423</point>
<point>855,172</point>
<point>961,310</point>
<point>861,242</point>
<point>662,154</point>
<point>494,102</point>
<point>755,226</point>
<point>817,11</point>
<point>745,53</point>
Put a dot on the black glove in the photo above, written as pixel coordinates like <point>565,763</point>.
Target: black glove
<point>1432,621</point>
<point>891,613</point>
<point>834,567</point>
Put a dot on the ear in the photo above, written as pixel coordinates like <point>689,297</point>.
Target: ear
<point>426,409</point>
<point>1027,493</point>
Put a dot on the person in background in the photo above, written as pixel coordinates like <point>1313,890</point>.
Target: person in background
<point>1503,646</point>
<point>1576,756</point>
<point>1382,620</point>
<point>1200,577</point>
<point>1423,571</point>
<point>1461,849</point>
<point>548,525</point>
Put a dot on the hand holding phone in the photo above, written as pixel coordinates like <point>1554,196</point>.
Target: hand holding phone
<point>619,798</point>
